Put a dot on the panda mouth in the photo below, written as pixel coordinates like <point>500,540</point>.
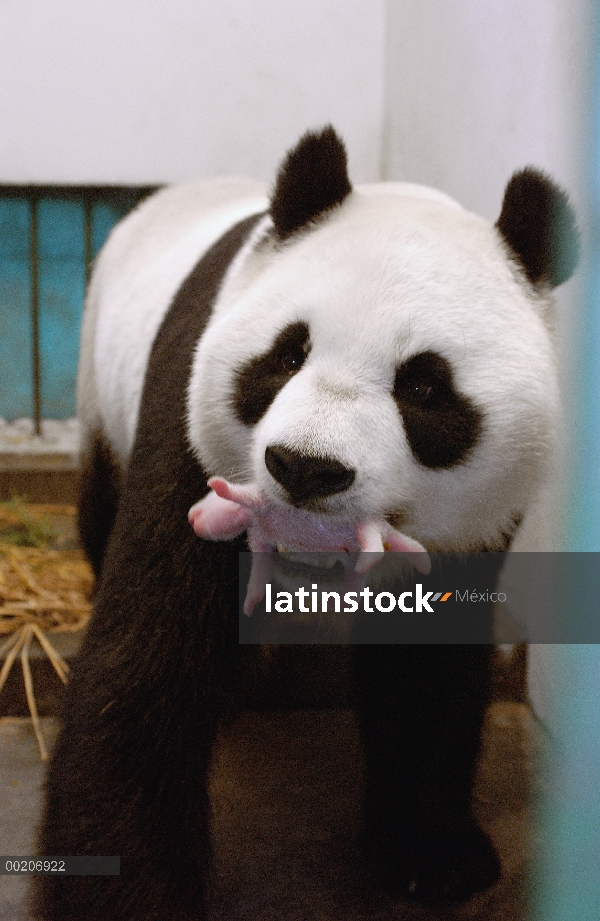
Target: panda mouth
<point>322,560</point>
<point>329,567</point>
<point>330,571</point>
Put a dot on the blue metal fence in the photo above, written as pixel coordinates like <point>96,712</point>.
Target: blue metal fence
<point>48,238</point>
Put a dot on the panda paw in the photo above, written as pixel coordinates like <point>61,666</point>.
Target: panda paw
<point>441,864</point>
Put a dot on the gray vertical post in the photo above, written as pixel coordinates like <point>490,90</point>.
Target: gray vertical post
<point>88,206</point>
<point>34,277</point>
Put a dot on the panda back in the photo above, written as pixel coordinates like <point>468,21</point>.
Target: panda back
<point>135,279</point>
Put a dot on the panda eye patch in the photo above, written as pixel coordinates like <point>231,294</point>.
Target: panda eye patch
<point>441,424</point>
<point>260,380</point>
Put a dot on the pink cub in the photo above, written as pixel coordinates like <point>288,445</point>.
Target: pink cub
<point>230,509</point>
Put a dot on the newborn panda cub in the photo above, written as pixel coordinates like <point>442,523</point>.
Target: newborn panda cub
<point>353,369</point>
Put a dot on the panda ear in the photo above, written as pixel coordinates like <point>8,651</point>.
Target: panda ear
<point>538,224</point>
<point>312,179</point>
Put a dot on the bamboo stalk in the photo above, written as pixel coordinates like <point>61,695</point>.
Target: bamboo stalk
<point>60,666</point>
<point>10,642</point>
<point>28,632</point>
<point>8,662</point>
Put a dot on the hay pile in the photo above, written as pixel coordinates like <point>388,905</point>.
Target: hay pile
<point>43,590</point>
<point>49,588</point>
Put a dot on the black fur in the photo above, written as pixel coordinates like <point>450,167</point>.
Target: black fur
<point>128,772</point>
<point>98,498</point>
<point>260,380</point>
<point>420,709</point>
<point>313,179</point>
<point>442,426</point>
<point>539,225</point>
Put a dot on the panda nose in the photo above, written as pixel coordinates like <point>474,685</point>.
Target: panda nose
<point>305,477</point>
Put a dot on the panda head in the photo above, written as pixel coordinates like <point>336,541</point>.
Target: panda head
<point>381,352</point>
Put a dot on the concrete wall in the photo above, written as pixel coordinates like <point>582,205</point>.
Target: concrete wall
<point>476,90</point>
<point>456,95</point>
<point>145,91</point>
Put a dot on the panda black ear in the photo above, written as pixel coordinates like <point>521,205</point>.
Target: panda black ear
<point>312,179</point>
<point>539,225</point>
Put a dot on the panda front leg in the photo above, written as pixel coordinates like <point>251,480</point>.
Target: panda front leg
<point>421,710</point>
<point>128,775</point>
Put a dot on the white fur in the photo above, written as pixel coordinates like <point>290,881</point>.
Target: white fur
<point>396,270</point>
<point>135,278</point>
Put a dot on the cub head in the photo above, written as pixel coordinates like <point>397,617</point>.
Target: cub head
<point>379,352</point>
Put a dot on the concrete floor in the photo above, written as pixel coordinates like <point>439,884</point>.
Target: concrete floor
<point>21,779</point>
<point>285,796</point>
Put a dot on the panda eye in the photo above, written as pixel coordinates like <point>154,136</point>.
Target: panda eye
<point>292,360</point>
<point>419,391</point>
<point>422,380</point>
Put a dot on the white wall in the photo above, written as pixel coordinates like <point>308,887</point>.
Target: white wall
<point>478,88</point>
<point>453,93</point>
<point>145,91</point>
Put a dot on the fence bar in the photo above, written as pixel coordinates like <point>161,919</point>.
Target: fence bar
<point>34,278</point>
<point>88,206</point>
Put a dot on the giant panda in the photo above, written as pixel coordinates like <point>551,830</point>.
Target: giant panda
<point>375,352</point>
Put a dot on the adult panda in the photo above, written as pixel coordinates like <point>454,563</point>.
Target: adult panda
<point>363,354</point>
